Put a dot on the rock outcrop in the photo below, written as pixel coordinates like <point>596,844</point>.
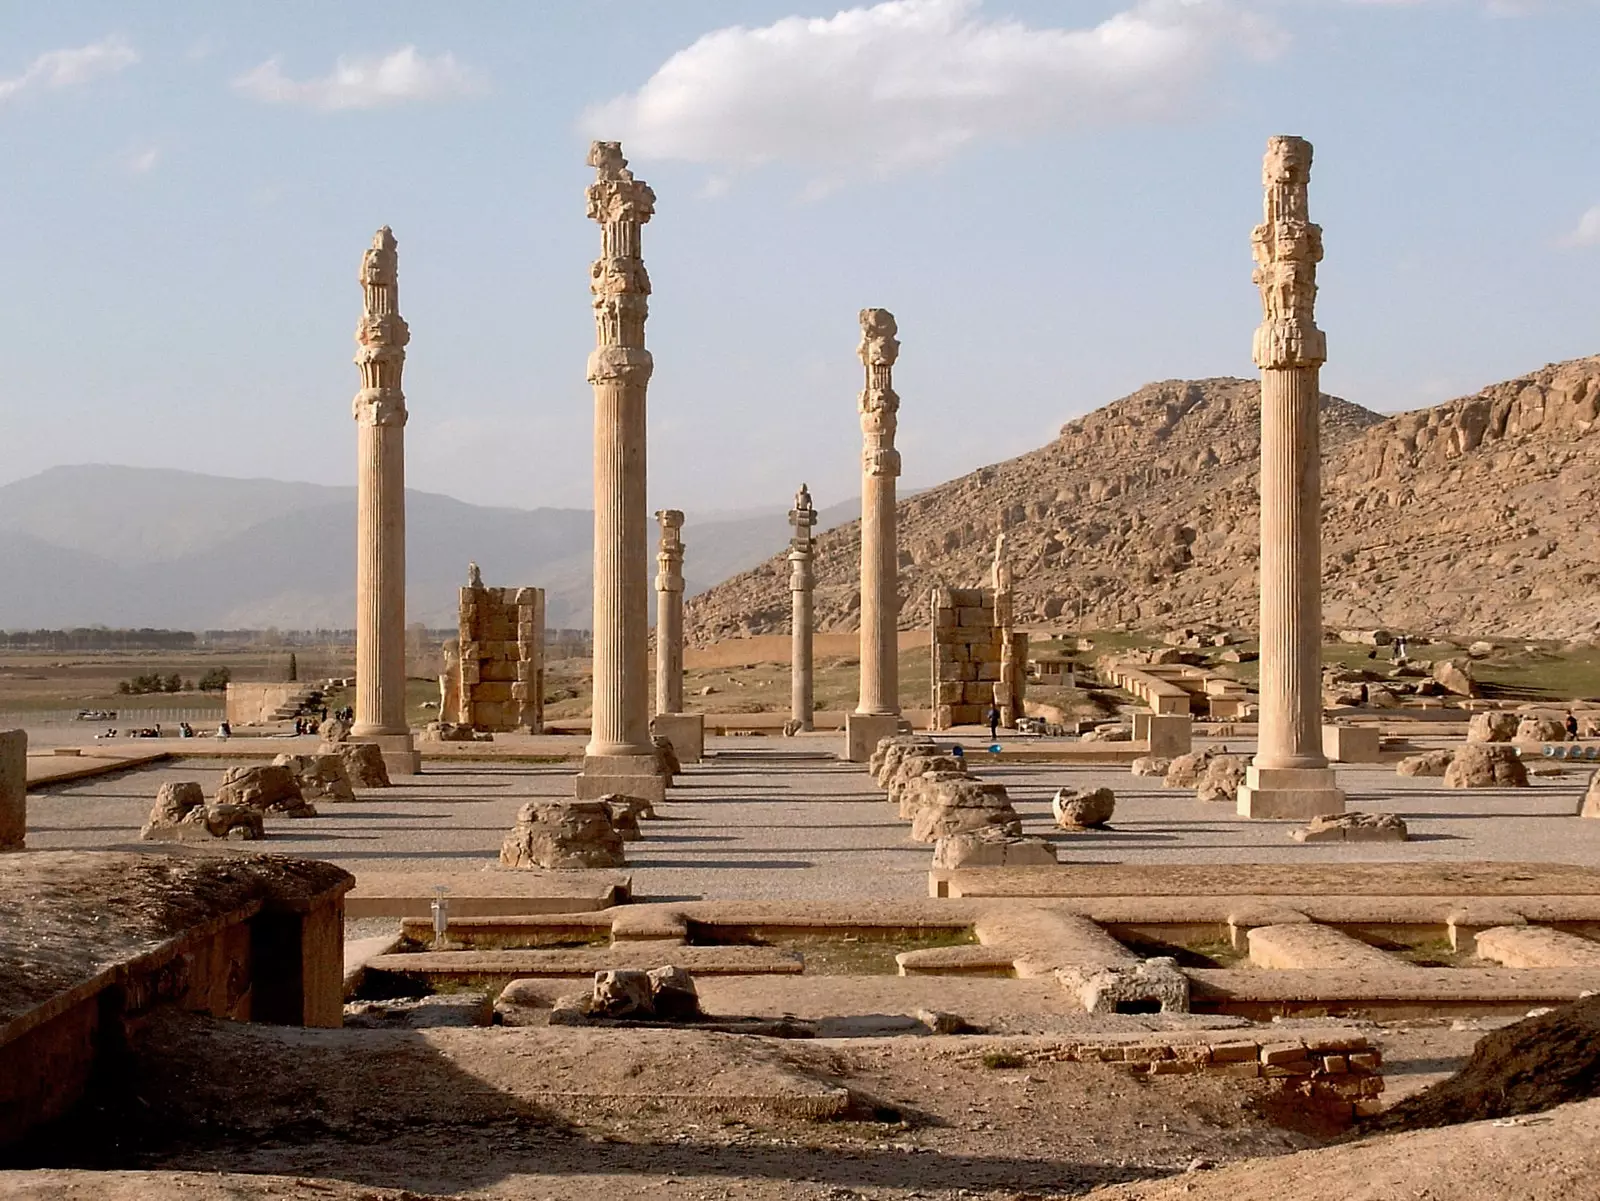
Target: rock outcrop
<point>1146,511</point>
<point>1495,725</point>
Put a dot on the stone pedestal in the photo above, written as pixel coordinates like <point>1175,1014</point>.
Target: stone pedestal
<point>620,750</point>
<point>13,790</point>
<point>880,557</point>
<point>802,583</point>
<point>863,730</point>
<point>685,731</point>
<point>1289,777</point>
<point>380,413</point>
<point>399,751</point>
<point>1352,744</point>
<point>631,775</point>
<point>1298,793</point>
<point>1168,734</point>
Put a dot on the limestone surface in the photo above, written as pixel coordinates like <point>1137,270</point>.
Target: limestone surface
<point>1151,765</point>
<point>1186,771</point>
<point>1534,728</point>
<point>991,846</point>
<point>266,788</point>
<point>561,835</point>
<point>1590,806</point>
<point>1486,765</point>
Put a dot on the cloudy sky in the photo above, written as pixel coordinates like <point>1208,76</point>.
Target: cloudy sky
<point>1055,199</point>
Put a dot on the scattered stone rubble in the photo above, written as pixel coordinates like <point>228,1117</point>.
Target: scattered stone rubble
<point>1151,765</point>
<point>1353,826</point>
<point>1428,763</point>
<point>454,731</point>
<point>663,994</point>
<point>1223,776</point>
<point>1186,771</point>
<point>1486,765</point>
<point>181,814</point>
<point>1083,809</point>
<point>363,762</point>
<point>562,835</point>
<point>321,777</point>
<point>934,790</point>
<point>266,788</point>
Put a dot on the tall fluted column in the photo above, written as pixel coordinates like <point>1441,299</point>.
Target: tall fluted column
<point>1289,776</point>
<point>880,556</point>
<point>619,370</point>
<point>802,582</point>
<point>669,613</point>
<point>380,413</point>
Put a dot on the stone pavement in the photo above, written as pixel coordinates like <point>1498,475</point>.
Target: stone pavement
<point>763,828</point>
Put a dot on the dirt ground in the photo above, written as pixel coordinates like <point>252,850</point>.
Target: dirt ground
<point>582,1115</point>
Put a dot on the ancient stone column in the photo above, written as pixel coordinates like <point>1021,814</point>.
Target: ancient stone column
<point>802,583</point>
<point>620,757</point>
<point>1289,777</point>
<point>877,713</point>
<point>669,613</point>
<point>1009,690</point>
<point>380,413</point>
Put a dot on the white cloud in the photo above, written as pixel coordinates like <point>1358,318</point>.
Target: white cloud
<point>66,68</point>
<point>1587,232</point>
<point>141,160</point>
<point>369,82</point>
<point>910,82</point>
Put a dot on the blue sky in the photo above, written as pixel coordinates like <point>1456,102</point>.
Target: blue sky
<point>1054,198</point>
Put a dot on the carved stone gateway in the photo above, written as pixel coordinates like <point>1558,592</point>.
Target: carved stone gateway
<point>380,413</point>
<point>802,585</point>
<point>878,713</point>
<point>1289,777</point>
<point>620,758</point>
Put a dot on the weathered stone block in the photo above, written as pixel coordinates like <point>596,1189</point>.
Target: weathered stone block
<point>13,789</point>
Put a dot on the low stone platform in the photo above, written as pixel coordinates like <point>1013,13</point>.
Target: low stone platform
<point>248,937</point>
<point>88,762</point>
<point>1412,992</point>
<point>486,893</point>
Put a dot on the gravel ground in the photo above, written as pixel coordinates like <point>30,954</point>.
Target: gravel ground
<point>759,827</point>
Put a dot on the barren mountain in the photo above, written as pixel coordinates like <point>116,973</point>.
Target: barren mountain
<point>1476,515</point>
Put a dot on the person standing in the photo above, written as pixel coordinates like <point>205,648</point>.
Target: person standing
<point>994,722</point>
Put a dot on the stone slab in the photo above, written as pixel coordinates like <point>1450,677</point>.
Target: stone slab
<point>486,894</point>
<point>1284,881</point>
<point>1303,946</point>
<point>1536,947</point>
<point>44,770</point>
<point>863,732</point>
<point>686,732</point>
<point>1214,989</point>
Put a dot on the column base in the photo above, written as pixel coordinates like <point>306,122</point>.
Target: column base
<point>685,731</point>
<point>400,754</point>
<point>1289,793</point>
<point>623,775</point>
<point>863,730</point>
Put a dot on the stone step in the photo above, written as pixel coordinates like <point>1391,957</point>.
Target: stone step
<point>1381,996</point>
<point>1536,947</point>
<point>481,894</point>
<point>499,967</point>
<point>960,960</point>
<point>1305,946</point>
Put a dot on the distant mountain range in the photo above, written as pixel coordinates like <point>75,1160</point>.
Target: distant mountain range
<point>130,546</point>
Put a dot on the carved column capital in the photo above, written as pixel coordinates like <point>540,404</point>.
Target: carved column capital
<point>1287,247</point>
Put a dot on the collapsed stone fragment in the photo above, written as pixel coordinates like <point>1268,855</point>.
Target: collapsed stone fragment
<point>181,814</point>
<point>321,777</point>
<point>266,788</point>
<point>563,835</point>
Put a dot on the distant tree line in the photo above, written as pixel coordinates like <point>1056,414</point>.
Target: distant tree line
<point>98,638</point>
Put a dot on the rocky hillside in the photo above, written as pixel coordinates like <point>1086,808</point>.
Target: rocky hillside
<point>1474,516</point>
